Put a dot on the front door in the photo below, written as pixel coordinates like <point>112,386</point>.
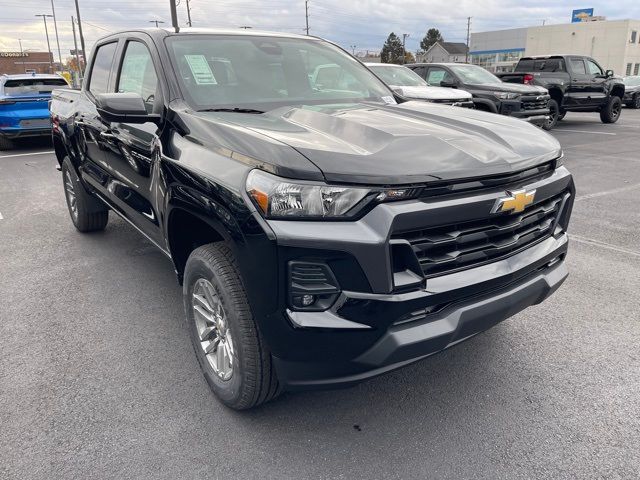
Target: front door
<point>598,87</point>
<point>578,93</point>
<point>133,152</point>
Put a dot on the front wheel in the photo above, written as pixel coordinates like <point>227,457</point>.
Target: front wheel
<point>234,359</point>
<point>610,113</point>
<point>554,113</point>
<point>562,114</point>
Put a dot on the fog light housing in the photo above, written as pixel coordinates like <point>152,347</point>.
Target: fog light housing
<point>312,286</point>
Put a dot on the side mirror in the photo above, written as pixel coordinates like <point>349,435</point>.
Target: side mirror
<point>124,108</point>
<point>609,73</point>
<point>448,84</point>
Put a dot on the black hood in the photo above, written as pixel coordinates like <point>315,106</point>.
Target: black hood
<point>413,142</point>
<point>510,88</point>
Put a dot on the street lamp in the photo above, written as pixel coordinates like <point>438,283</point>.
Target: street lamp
<point>55,26</point>
<point>46,31</point>
<point>156,22</point>
<point>353,49</point>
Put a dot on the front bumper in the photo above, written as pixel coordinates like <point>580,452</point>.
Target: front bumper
<point>410,342</point>
<point>382,318</point>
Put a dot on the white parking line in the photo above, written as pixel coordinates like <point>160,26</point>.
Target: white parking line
<point>608,246</point>
<point>1,217</point>
<point>607,192</point>
<point>583,131</point>
<point>25,154</point>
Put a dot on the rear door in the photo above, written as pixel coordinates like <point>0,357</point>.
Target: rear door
<point>92,142</point>
<point>579,89</point>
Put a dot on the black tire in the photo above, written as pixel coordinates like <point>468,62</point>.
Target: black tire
<point>554,113</point>
<point>610,113</point>
<point>253,379</point>
<point>562,114</point>
<point>635,102</point>
<point>5,144</point>
<point>90,214</point>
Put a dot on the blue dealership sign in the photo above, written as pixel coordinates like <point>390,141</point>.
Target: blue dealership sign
<point>581,15</point>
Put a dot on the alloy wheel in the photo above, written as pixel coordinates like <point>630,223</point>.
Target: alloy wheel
<point>70,192</point>
<point>212,329</point>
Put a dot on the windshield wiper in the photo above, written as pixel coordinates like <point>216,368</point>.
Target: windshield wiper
<point>234,110</point>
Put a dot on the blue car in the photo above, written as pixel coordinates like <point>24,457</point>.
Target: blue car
<point>24,106</point>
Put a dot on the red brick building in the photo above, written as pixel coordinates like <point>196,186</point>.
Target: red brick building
<point>26,62</point>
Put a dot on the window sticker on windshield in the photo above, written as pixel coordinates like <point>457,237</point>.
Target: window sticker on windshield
<point>201,70</point>
<point>389,100</point>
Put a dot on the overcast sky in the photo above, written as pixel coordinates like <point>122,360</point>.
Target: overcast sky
<point>363,23</point>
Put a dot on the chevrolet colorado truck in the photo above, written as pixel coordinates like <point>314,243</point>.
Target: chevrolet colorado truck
<point>490,94</point>
<point>322,236</point>
<point>576,84</point>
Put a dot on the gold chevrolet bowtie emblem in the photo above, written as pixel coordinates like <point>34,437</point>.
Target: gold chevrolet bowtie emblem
<point>515,202</point>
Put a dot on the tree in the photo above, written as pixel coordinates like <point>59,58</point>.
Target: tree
<point>432,36</point>
<point>409,58</point>
<point>392,50</point>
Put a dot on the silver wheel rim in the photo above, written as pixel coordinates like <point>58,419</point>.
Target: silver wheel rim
<point>71,194</point>
<point>212,329</point>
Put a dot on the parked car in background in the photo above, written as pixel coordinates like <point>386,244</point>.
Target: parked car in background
<point>576,83</point>
<point>24,106</point>
<point>325,231</point>
<point>407,83</point>
<point>490,94</point>
<point>632,91</point>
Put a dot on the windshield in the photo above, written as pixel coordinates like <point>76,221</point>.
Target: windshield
<point>261,72</point>
<point>398,76</point>
<point>31,86</point>
<point>474,75</point>
<point>631,81</point>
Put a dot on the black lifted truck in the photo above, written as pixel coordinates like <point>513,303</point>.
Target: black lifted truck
<point>322,235</point>
<point>490,94</point>
<point>576,84</point>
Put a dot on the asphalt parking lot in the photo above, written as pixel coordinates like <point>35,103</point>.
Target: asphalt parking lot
<point>98,378</point>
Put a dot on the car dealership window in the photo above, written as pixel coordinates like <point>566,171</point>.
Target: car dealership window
<point>634,35</point>
<point>637,69</point>
<point>629,67</point>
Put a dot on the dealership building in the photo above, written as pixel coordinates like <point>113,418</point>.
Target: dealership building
<point>26,62</point>
<point>613,44</point>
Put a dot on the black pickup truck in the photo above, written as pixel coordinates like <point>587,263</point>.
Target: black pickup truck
<point>322,235</point>
<point>490,94</point>
<point>576,84</point>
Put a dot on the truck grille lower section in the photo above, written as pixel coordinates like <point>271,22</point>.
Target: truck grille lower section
<point>452,247</point>
<point>535,104</point>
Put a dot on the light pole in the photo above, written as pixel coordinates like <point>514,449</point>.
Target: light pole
<point>84,60</point>
<point>21,53</point>
<point>188,14</point>
<point>55,26</point>
<point>353,49</point>
<point>404,50</point>
<point>46,31</point>
<point>157,22</point>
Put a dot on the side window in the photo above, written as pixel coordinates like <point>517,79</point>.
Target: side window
<point>137,74</point>
<point>438,75</point>
<point>99,77</point>
<point>594,69</point>
<point>577,66</point>
<point>422,71</point>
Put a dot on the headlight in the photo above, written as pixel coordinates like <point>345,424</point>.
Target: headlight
<point>506,95</point>
<point>281,198</point>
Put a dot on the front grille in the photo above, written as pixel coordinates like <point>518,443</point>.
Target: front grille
<point>450,101</point>
<point>452,247</point>
<point>534,103</point>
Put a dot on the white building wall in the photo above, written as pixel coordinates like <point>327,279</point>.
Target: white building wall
<point>604,41</point>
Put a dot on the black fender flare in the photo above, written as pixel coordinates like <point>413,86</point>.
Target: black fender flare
<point>487,103</point>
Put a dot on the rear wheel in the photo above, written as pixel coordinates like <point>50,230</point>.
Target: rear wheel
<point>562,114</point>
<point>5,143</point>
<point>88,214</point>
<point>610,113</point>
<point>635,102</point>
<point>554,113</point>
<point>233,357</point>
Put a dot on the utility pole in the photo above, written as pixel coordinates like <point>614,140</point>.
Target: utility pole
<point>46,31</point>
<point>157,22</point>
<point>188,14</point>
<point>306,14</point>
<point>84,52</point>
<point>75,45</point>
<point>404,50</point>
<point>21,54</point>
<point>55,26</point>
<point>174,15</point>
<point>466,57</point>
